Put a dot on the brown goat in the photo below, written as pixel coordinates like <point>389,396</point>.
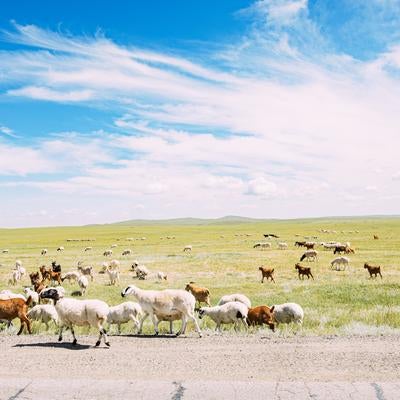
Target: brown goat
<point>16,308</point>
<point>261,315</point>
<point>309,245</point>
<point>35,277</point>
<point>50,275</point>
<point>202,295</point>
<point>373,270</point>
<point>303,271</point>
<point>267,273</point>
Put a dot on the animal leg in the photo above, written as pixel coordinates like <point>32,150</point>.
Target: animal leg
<point>74,342</point>
<point>155,323</point>
<point>183,326</point>
<point>60,333</point>
<point>141,322</point>
<point>193,318</point>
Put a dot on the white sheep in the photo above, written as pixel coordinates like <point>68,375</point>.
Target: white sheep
<point>83,284</point>
<point>114,245</point>
<point>164,302</point>
<point>8,294</point>
<point>309,255</point>
<point>71,276</point>
<point>141,270</point>
<point>228,313</point>
<point>235,297</point>
<point>161,276</point>
<point>107,253</point>
<point>282,246</point>
<point>78,312</point>
<point>340,262</point>
<point>88,271</point>
<point>287,313</point>
<point>31,293</point>
<point>127,252</point>
<point>61,248</point>
<point>43,313</point>
<point>188,248</point>
<point>43,252</point>
<point>125,312</point>
<point>5,251</point>
<point>113,275</point>
<point>88,248</point>
<point>15,277</point>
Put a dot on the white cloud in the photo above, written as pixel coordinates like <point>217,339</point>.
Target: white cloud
<point>262,187</point>
<point>43,93</point>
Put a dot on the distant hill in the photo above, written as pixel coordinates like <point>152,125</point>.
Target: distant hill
<point>230,219</point>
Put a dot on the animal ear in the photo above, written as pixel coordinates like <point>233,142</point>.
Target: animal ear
<point>272,308</point>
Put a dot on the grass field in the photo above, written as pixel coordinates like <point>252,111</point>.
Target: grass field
<point>223,259</point>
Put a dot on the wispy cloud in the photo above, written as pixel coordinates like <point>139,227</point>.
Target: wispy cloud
<point>8,132</point>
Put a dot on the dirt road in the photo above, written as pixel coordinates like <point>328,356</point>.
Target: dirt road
<point>225,364</point>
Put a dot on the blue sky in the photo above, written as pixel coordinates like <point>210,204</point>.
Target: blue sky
<point>270,108</point>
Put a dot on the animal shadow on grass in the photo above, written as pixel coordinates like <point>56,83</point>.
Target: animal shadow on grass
<point>59,345</point>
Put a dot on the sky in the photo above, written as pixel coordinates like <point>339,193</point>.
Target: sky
<point>120,110</point>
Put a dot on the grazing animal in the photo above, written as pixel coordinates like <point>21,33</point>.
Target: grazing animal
<point>309,245</point>
<point>34,295</point>
<point>282,246</point>
<point>78,312</point>
<point>113,275</point>
<point>16,308</point>
<point>127,252</point>
<point>304,271</point>
<point>44,313</point>
<point>8,294</point>
<point>161,276</point>
<point>61,248</point>
<point>88,248</point>
<point>188,248</point>
<point>340,262</point>
<point>270,235</point>
<point>83,284</point>
<point>5,251</point>
<point>267,273</point>
<point>43,252</point>
<point>235,297</point>
<point>201,294</point>
<point>262,245</point>
<point>55,267</point>
<point>141,271</point>
<point>339,249</point>
<point>376,237</point>
<point>287,313</point>
<point>15,277</point>
<point>299,244</point>
<point>108,253</point>
<point>123,313</point>
<point>373,270</point>
<point>309,255</point>
<point>232,312</point>
<point>71,276</point>
<point>261,315</point>
<point>164,302</point>
<point>88,271</point>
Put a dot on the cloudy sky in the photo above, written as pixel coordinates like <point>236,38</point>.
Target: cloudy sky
<point>270,108</point>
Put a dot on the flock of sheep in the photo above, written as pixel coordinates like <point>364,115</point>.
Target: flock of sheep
<point>50,302</point>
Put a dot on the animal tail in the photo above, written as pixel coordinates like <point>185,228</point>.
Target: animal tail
<point>302,257</point>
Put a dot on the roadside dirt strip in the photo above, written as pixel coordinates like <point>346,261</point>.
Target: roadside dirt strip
<point>256,366</point>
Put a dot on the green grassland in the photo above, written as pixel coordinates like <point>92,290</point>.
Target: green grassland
<point>223,260</point>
